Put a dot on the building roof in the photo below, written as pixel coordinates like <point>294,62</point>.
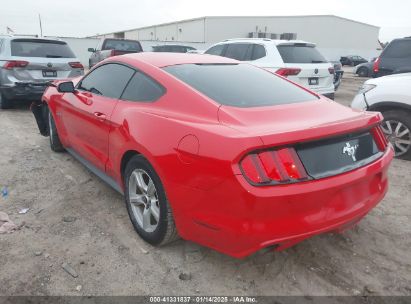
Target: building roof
<point>219,17</point>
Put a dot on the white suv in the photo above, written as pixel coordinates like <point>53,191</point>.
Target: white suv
<point>298,60</point>
<point>391,96</point>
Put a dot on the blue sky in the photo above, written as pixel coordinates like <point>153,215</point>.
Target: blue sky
<point>80,18</point>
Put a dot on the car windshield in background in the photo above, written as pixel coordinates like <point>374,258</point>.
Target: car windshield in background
<point>40,48</point>
<point>300,53</point>
<point>122,45</point>
<point>239,85</point>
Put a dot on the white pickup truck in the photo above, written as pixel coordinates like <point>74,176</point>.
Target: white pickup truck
<point>109,47</point>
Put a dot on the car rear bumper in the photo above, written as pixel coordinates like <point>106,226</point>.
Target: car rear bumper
<point>238,219</point>
<point>24,90</point>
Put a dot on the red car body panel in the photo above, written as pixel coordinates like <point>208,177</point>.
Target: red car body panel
<point>196,148</point>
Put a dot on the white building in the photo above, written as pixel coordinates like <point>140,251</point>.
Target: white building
<point>335,36</point>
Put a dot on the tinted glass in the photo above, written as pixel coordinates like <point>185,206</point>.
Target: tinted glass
<point>300,54</point>
<point>215,50</point>
<point>239,85</point>
<point>108,80</point>
<point>40,48</point>
<point>122,45</point>
<point>398,49</point>
<point>142,88</point>
<point>238,51</point>
<point>258,52</point>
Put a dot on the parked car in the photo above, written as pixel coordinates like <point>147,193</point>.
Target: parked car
<point>297,60</point>
<point>251,161</point>
<point>338,74</point>
<point>352,60</point>
<point>27,64</point>
<point>109,47</point>
<point>173,48</point>
<point>365,69</point>
<point>394,59</point>
<point>391,96</point>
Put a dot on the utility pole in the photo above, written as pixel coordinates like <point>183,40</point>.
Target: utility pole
<point>41,27</point>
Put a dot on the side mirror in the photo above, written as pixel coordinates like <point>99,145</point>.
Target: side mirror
<point>66,87</point>
<point>91,50</point>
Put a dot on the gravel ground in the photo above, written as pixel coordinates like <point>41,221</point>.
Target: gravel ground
<point>75,218</point>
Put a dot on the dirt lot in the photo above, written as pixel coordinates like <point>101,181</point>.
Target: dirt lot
<point>75,218</point>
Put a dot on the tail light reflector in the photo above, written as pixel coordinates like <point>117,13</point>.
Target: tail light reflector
<point>380,138</point>
<point>115,53</point>
<point>376,65</point>
<point>273,167</point>
<point>76,65</point>
<point>288,72</point>
<point>9,65</point>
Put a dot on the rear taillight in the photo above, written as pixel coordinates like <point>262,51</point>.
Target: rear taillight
<point>115,53</point>
<point>273,167</point>
<point>380,138</point>
<point>76,65</point>
<point>331,70</point>
<point>9,65</point>
<point>288,72</point>
<point>376,65</point>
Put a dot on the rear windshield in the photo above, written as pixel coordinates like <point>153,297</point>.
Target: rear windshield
<point>398,49</point>
<point>122,45</point>
<point>239,85</point>
<point>300,53</point>
<point>40,48</point>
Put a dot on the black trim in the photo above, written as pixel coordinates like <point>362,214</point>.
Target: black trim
<point>102,175</point>
<point>389,104</point>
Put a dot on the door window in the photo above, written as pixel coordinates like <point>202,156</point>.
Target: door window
<point>216,50</point>
<point>107,80</point>
<point>142,88</point>
<point>258,52</point>
<point>238,51</point>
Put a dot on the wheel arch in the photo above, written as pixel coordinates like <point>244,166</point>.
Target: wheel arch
<point>389,105</point>
<point>129,154</point>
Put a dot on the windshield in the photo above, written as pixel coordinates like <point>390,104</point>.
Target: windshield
<point>40,48</point>
<point>300,53</point>
<point>239,85</point>
<point>122,45</point>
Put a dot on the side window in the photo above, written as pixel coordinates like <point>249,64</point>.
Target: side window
<point>107,80</point>
<point>142,88</point>
<point>216,50</point>
<point>398,49</point>
<point>238,51</point>
<point>258,52</point>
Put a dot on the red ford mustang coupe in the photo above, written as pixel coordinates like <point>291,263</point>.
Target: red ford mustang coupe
<point>220,152</point>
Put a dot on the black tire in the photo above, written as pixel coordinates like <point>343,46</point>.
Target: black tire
<point>55,143</point>
<point>5,103</point>
<point>403,117</point>
<point>362,72</point>
<point>166,231</point>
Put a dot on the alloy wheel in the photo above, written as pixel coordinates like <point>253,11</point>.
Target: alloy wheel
<point>399,135</point>
<point>144,200</point>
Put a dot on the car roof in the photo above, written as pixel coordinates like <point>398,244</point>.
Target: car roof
<point>266,41</point>
<point>166,59</point>
<point>11,37</point>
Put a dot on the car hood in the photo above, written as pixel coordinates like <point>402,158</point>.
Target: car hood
<point>286,124</point>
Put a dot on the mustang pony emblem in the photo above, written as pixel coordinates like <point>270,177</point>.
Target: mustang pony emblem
<point>350,150</point>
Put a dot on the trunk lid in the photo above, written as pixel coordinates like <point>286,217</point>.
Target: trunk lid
<point>329,138</point>
<point>314,76</point>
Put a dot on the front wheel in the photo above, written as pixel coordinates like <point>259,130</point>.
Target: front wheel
<point>147,203</point>
<point>55,143</point>
<point>397,128</point>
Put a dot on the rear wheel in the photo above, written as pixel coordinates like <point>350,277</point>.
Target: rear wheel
<point>5,103</point>
<point>362,72</point>
<point>147,203</point>
<point>55,143</point>
<point>397,127</point>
